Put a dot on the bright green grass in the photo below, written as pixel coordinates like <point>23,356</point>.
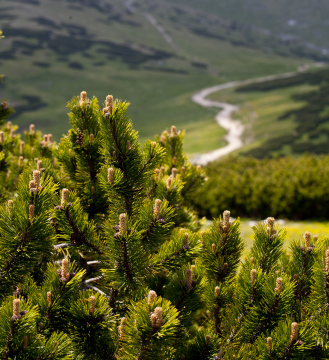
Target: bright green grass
<point>295,230</point>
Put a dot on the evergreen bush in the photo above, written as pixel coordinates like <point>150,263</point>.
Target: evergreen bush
<point>101,256</point>
<point>285,187</point>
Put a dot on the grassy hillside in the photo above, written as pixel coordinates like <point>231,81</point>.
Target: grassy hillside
<point>294,21</point>
<point>284,116</point>
<point>54,49</point>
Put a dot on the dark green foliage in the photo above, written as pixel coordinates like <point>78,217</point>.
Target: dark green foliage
<point>293,188</point>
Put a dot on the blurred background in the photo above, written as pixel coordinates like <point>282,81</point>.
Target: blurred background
<point>156,54</point>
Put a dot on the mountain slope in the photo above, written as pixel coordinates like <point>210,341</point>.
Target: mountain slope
<point>155,54</point>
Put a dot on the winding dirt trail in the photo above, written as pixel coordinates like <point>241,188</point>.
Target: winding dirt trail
<point>224,117</point>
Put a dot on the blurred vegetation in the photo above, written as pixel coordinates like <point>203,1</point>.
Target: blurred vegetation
<point>287,187</point>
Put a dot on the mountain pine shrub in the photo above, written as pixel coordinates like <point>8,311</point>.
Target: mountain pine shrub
<point>102,257</point>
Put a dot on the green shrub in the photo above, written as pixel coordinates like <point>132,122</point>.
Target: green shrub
<point>286,187</point>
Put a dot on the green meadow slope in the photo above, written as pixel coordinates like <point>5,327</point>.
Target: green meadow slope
<point>155,54</point>
<point>287,116</point>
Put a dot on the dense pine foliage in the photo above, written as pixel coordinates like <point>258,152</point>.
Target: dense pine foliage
<point>286,187</point>
<point>102,257</point>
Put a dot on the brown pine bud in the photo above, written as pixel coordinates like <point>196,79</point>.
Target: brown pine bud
<point>16,305</point>
<point>31,212</point>
<point>83,96</point>
<point>39,165</point>
<point>269,344</point>
<point>182,170</point>
<point>188,278</point>
<point>208,339</point>
<point>226,220</point>
<point>50,138</point>
<point>225,267</point>
<point>278,285</point>
<point>49,298</point>
<point>25,342</point>
<point>153,319</point>
<point>92,189</point>
<point>10,206</point>
<point>217,292</point>
<point>110,175</point>
<point>226,216</point>
<point>252,260</point>
<point>8,125</point>
<point>8,174</point>
<point>315,238</point>
<point>128,145</point>
<point>32,131</point>
<point>45,139</point>
<point>109,103</point>
<point>152,295</point>
<point>253,276</point>
<point>162,169</point>
<point>174,160</point>
<point>91,138</point>
<point>157,208</point>
<point>213,248</point>
<point>41,325</point>
<point>12,133</point>
<point>21,147</point>
<point>65,269</point>
<point>174,173</point>
<point>123,223</point>
<point>4,104</point>
<point>158,314</point>
<point>294,331</point>
<point>92,304</point>
<point>168,183</point>
<point>307,238</point>
<point>270,223</point>
<point>65,196</point>
<point>173,131</point>
<point>105,110</point>
<point>2,137</point>
<point>36,178</point>
<point>114,154</point>
<point>32,184</point>
<point>193,268</point>
<point>20,161</point>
